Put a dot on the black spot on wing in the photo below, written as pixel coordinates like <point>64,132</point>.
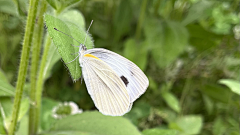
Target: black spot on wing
<point>125,80</point>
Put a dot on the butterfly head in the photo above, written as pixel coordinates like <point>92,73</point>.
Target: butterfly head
<point>82,48</point>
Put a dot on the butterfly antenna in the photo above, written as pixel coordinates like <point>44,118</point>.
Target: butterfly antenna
<point>66,35</point>
<point>87,32</point>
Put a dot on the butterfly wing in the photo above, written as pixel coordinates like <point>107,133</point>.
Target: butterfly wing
<point>133,77</point>
<point>105,87</point>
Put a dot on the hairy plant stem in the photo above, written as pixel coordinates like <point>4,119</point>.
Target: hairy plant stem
<point>40,82</point>
<point>37,42</point>
<point>23,63</point>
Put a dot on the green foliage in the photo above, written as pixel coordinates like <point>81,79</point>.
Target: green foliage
<point>64,43</point>
<point>6,106</point>
<point>60,5</point>
<point>189,50</point>
<point>167,39</point>
<point>93,123</point>
<point>22,130</point>
<point>122,19</point>
<point>216,92</point>
<point>6,89</point>
<point>156,131</point>
<point>199,10</point>
<point>172,101</point>
<point>187,125</point>
<point>5,7</point>
<point>234,85</point>
<point>202,39</point>
<point>140,56</point>
<point>140,110</point>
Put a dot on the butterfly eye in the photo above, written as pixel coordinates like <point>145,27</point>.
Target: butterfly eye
<point>83,47</point>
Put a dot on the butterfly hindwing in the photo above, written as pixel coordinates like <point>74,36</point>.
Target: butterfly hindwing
<point>105,87</point>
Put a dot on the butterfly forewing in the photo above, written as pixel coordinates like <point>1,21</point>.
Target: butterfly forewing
<point>105,87</point>
<point>135,80</point>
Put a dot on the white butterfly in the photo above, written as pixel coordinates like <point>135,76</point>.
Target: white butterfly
<point>112,81</point>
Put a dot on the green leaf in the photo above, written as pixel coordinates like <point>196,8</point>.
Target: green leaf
<point>22,130</point>
<point>53,3</point>
<point>64,43</point>
<point>73,16</point>
<point>24,108</point>
<point>234,85</point>
<point>60,5</point>
<point>219,126</point>
<point>167,114</point>
<point>233,122</point>
<point>6,105</point>
<point>8,6</point>
<point>188,125</point>
<point>136,52</point>
<point>6,108</point>
<point>67,133</point>
<point>172,101</point>
<point>167,40</point>
<point>202,39</point>
<point>216,92</point>
<point>197,11</point>
<point>94,123</point>
<point>6,89</point>
<point>156,131</point>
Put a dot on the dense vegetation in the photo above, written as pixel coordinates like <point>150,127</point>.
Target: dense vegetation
<point>189,49</point>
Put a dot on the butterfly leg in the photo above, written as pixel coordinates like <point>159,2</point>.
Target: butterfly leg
<point>73,59</point>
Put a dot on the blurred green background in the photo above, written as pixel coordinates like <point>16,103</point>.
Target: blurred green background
<point>189,49</point>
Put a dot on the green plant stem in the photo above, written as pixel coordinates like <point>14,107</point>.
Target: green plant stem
<point>185,92</point>
<point>37,42</point>
<point>23,63</point>
<point>40,82</point>
<point>141,19</point>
